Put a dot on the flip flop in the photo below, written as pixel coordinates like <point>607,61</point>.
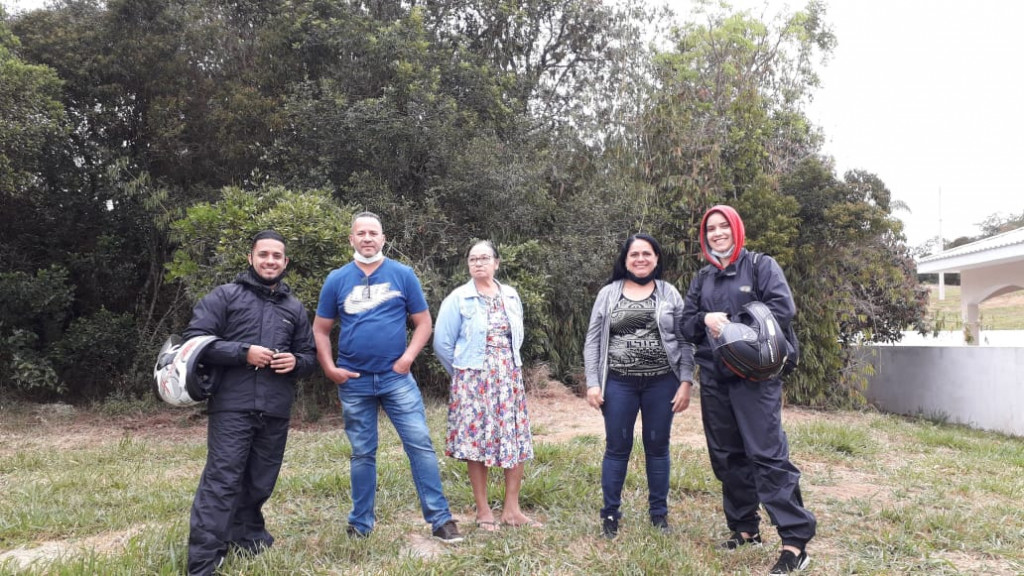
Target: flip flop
<point>488,525</point>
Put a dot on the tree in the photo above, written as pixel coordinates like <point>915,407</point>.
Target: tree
<point>31,118</point>
<point>725,113</point>
<point>214,239</point>
<point>549,127</point>
<point>998,223</point>
<point>853,278</point>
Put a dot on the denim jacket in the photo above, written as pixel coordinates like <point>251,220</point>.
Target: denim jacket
<point>460,333</point>
<point>669,310</point>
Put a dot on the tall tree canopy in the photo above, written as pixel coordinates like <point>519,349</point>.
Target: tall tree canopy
<point>140,141</point>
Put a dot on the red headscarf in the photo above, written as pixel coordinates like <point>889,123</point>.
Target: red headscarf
<point>738,234</point>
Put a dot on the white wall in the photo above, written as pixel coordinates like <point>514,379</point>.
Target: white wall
<point>982,387</point>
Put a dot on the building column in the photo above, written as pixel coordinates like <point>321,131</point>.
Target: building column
<point>972,325</point>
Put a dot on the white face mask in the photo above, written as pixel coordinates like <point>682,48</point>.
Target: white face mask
<point>724,255</point>
<point>368,259</point>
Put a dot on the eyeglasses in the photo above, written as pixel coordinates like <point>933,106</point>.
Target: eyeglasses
<point>474,260</point>
<point>366,288</point>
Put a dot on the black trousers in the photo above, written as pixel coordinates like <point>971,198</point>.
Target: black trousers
<point>750,456</point>
<point>244,455</point>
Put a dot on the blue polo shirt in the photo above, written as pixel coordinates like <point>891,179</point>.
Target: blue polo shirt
<point>372,312</point>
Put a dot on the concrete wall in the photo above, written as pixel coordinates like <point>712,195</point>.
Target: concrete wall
<point>982,387</point>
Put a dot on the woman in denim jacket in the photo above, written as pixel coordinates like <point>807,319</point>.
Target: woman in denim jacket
<point>477,338</point>
<point>636,363</point>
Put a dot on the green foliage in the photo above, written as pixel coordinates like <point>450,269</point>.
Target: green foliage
<point>31,117</point>
<point>94,351</point>
<point>770,220</point>
<point>852,277</point>
<point>24,367</point>
<point>214,240</point>
<point>549,127</point>
<point>32,315</point>
<point>722,123</point>
<point>521,264</point>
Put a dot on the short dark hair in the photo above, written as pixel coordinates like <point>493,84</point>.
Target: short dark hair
<point>266,235</point>
<point>619,271</point>
<point>488,243</point>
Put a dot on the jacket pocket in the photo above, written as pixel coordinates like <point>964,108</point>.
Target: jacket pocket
<point>282,334</point>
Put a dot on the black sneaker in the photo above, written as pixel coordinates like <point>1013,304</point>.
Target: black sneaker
<point>353,532</point>
<point>736,540</point>
<point>610,527</point>
<point>448,533</point>
<point>789,563</point>
<point>660,522</point>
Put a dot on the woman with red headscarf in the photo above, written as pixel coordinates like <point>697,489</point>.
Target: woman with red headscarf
<point>742,418</point>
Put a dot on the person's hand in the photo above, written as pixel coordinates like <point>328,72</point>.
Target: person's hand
<point>594,397</point>
<point>283,362</point>
<point>681,401</point>
<point>259,356</point>
<point>715,321</point>
<point>402,365</point>
<point>339,375</point>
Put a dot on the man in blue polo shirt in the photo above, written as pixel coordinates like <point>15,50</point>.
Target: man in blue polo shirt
<point>372,298</point>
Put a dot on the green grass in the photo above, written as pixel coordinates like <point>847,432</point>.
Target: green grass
<point>1004,312</point>
<point>892,496</point>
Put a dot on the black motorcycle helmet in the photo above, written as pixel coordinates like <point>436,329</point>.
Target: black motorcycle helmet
<point>753,346</point>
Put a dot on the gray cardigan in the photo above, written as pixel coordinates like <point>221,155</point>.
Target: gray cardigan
<point>669,309</point>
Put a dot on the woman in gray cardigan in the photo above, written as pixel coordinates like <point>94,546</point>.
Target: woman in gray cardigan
<point>636,363</point>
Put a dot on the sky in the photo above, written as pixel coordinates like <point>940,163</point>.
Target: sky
<point>926,94</point>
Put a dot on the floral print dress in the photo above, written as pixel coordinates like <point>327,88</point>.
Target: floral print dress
<point>487,417</point>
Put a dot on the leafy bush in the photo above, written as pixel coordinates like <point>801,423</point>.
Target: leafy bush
<point>32,315</point>
<point>23,367</point>
<point>214,239</point>
<point>95,350</point>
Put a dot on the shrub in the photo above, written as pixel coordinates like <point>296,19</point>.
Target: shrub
<point>95,350</point>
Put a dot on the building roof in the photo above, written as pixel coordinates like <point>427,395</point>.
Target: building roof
<point>992,251</point>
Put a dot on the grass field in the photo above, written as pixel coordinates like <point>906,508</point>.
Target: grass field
<point>1001,313</point>
<point>84,495</point>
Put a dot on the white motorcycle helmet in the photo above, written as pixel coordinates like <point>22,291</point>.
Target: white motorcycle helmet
<point>181,379</point>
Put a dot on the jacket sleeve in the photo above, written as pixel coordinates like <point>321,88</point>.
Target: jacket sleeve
<point>209,318</point>
<point>592,345</point>
<point>686,362</point>
<point>691,322</point>
<point>774,290</point>
<point>303,347</point>
<point>446,332</point>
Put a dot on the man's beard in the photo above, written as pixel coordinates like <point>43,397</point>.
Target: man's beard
<point>265,281</point>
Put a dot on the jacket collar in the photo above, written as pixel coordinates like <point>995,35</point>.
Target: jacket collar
<point>468,290</point>
<point>282,290</point>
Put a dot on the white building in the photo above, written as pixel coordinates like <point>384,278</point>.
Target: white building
<point>988,268</point>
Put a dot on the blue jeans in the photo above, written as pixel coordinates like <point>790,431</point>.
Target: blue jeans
<point>400,397</point>
<point>624,397</point>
